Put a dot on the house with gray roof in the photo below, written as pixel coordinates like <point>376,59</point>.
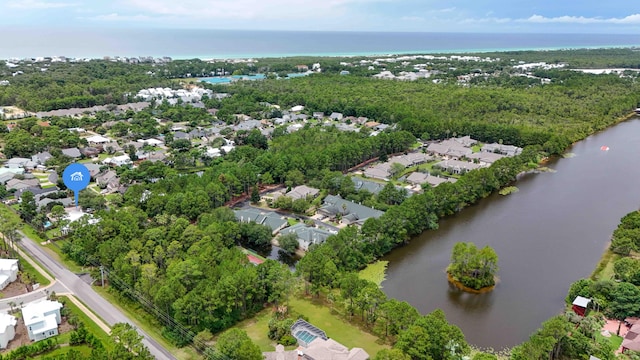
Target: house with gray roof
<point>457,166</point>
<point>267,218</point>
<point>318,115</point>
<point>18,184</point>
<point>17,162</point>
<point>6,176</point>
<point>486,158</point>
<point>247,125</point>
<point>508,150</point>
<point>336,116</point>
<point>370,186</point>
<point>94,169</point>
<point>41,157</point>
<point>307,235</point>
<point>466,141</point>
<point>349,212</point>
<point>302,192</point>
<point>72,153</point>
<point>108,179</point>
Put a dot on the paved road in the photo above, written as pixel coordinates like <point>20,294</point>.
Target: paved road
<point>83,291</point>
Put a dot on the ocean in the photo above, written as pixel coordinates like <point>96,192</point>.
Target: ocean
<point>214,44</point>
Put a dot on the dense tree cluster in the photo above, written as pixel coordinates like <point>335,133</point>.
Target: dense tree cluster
<point>474,268</point>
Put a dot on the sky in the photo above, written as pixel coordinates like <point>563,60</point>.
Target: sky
<point>491,16</point>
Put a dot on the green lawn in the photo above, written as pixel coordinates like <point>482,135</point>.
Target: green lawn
<point>476,148</point>
<point>319,315</point>
<point>375,272</point>
<point>292,221</point>
<point>615,340</point>
<point>28,268</point>
<point>146,322</point>
<point>604,269</point>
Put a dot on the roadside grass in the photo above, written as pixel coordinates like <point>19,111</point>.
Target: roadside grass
<point>319,315</point>
<point>28,268</point>
<point>375,272</point>
<point>146,322</point>
<point>9,213</point>
<point>604,269</point>
<point>55,250</point>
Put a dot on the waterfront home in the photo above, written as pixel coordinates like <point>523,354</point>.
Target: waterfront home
<point>7,329</point>
<point>349,212</point>
<point>456,166</point>
<point>486,158</point>
<point>316,345</point>
<point>42,319</point>
<point>508,150</point>
<point>8,272</point>
<point>307,235</point>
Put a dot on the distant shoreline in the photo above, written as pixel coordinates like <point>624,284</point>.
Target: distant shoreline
<point>205,44</point>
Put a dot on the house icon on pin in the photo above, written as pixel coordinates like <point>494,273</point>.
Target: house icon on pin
<point>76,176</point>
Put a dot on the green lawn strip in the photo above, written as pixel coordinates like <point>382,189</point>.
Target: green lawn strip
<point>85,350</point>
<point>55,250</point>
<point>374,272</point>
<point>335,327</point>
<point>604,269</point>
<point>292,221</point>
<point>146,322</point>
<point>91,326</point>
<point>28,268</point>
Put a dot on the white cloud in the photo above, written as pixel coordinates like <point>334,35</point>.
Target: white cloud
<point>631,19</point>
<point>118,17</point>
<point>38,4</point>
<point>280,10</point>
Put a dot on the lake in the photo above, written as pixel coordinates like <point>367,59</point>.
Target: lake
<point>548,235</point>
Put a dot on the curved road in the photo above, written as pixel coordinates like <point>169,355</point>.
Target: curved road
<point>83,291</point>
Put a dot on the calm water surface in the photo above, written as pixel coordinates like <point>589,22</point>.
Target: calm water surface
<point>549,234</point>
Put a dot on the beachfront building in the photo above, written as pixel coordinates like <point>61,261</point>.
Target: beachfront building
<point>42,319</point>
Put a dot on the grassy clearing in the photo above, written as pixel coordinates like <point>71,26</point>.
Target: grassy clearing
<point>292,221</point>
<point>375,272</point>
<point>604,269</point>
<point>146,322</point>
<point>476,148</point>
<point>614,339</point>
<point>319,315</point>
<point>28,268</point>
<point>335,327</point>
<point>9,213</point>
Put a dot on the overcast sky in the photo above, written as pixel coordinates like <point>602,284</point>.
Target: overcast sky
<point>541,16</point>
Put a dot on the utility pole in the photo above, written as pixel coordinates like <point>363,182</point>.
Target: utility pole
<point>102,275</point>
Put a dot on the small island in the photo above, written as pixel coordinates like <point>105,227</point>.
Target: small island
<point>472,269</point>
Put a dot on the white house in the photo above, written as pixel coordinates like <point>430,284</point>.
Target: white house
<point>8,272</point>
<point>42,319</point>
<point>117,160</point>
<point>7,329</point>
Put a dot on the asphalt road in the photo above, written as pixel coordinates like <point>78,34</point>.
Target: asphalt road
<point>83,291</point>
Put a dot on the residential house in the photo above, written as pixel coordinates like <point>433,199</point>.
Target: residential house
<point>8,272</point>
<point>449,148</point>
<point>315,345</point>
<point>307,235</point>
<point>247,125</point>
<point>631,340</point>
<point>297,108</point>
<point>6,176</point>
<point>117,160</point>
<point>108,179</point>
<point>485,158</point>
<point>318,115</point>
<point>152,141</point>
<point>379,171</point>
<point>110,148</point>
<point>349,212</point>
<point>89,152</point>
<point>98,140</point>
<point>73,153</point>
<point>267,218</point>
<point>302,192</point>
<point>336,116</point>
<point>457,166</point>
<point>508,150</point>
<point>18,184</point>
<point>7,329</point>
<point>466,141</point>
<point>17,162</point>
<point>42,319</point>
<point>41,157</point>
<point>94,169</point>
<point>180,135</point>
<point>370,186</point>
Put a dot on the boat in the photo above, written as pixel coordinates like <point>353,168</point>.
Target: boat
<point>604,148</point>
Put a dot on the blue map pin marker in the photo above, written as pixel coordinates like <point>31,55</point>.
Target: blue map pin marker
<point>76,177</point>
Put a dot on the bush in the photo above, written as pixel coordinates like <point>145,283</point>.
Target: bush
<point>288,340</point>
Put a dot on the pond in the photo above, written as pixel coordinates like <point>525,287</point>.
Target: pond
<point>547,235</point>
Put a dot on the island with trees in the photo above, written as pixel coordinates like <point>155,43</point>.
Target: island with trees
<point>472,269</point>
